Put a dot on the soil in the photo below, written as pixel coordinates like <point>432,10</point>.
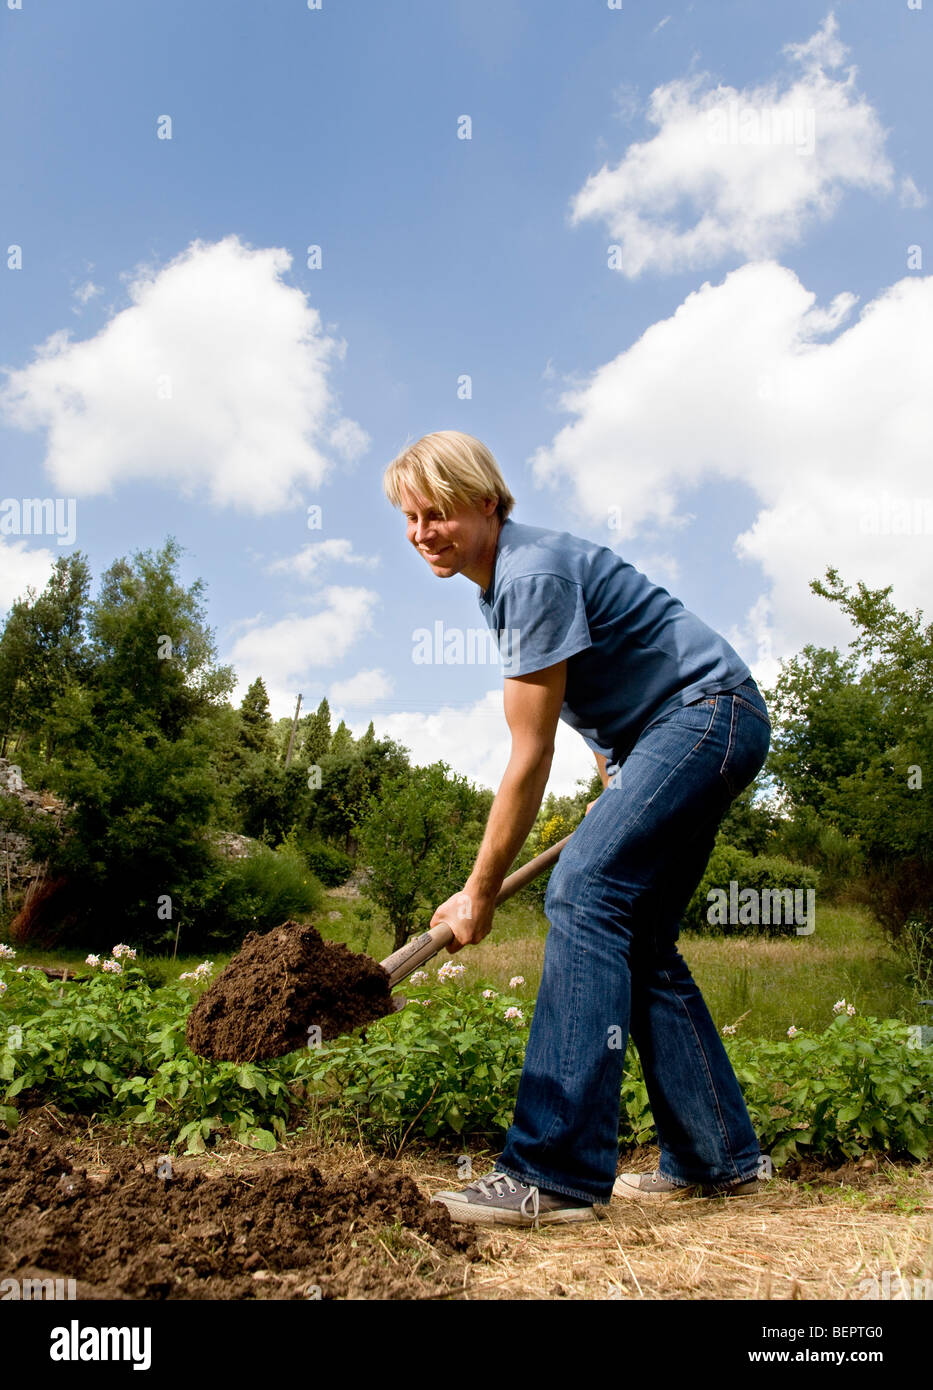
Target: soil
<point>278,1229</point>
<point>280,985</point>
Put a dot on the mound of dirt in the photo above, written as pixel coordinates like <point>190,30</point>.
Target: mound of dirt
<point>279,1230</point>
<point>280,986</point>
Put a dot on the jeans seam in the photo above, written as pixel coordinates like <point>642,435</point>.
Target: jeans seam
<point>724,1133</point>
<point>673,771</point>
<point>725,762</point>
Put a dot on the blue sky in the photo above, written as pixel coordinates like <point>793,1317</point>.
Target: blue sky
<point>734,398</point>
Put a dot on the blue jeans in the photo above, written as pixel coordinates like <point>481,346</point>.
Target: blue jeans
<point>612,969</point>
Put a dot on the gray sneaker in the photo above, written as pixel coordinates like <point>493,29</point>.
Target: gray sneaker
<point>499,1199</point>
<point>652,1187</point>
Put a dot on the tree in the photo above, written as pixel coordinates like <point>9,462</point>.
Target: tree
<point>255,719</point>
<point>342,740</point>
<point>751,822</point>
<point>414,841</point>
<point>855,743</point>
<point>152,651</point>
<point>315,735</point>
<point>855,733</point>
<point>350,775</point>
<point>42,653</point>
<point>136,751</point>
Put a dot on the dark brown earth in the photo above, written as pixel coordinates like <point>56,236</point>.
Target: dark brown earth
<point>281,984</point>
<point>279,1229</point>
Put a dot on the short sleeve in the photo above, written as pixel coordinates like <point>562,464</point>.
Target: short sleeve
<point>541,620</point>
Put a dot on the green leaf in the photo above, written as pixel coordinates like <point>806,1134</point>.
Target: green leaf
<point>262,1139</point>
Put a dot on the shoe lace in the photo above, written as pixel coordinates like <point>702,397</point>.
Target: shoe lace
<point>496,1181</point>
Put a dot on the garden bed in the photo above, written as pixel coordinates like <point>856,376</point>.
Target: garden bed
<point>125,1222</point>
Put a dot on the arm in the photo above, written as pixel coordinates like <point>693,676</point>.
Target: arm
<point>532,708</point>
<point>601,765</point>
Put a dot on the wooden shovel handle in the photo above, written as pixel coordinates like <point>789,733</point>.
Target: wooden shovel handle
<point>415,952</point>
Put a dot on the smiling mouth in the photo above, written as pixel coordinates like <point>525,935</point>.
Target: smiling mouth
<point>435,554</point>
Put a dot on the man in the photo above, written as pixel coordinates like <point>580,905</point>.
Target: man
<point>678,728</point>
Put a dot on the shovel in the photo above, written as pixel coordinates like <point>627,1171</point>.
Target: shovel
<point>407,958</point>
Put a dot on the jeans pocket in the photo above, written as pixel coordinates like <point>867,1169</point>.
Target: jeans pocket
<point>698,717</point>
<point>753,709</point>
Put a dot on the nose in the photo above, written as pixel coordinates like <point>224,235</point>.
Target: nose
<point>421,531</point>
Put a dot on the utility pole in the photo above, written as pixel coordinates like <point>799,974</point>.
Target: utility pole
<point>291,740</point>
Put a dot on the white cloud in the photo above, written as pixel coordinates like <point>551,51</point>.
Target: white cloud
<point>308,561</point>
<point>740,170</point>
<point>214,381</point>
<point>833,438</point>
<point>287,651</point>
<point>360,689</point>
<point>86,292</point>
<point>910,195</point>
<point>20,567</point>
<point>824,49</point>
<point>475,742</point>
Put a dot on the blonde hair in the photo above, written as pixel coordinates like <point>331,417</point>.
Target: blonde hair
<point>447,468</point>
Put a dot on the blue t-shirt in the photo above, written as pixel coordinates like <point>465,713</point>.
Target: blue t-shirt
<point>634,653</point>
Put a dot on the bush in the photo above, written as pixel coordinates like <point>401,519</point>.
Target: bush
<point>328,863</point>
<point>900,894</point>
<point>437,1069</point>
<point>810,839</point>
<point>727,865</point>
<point>857,1086</point>
<point>261,890</point>
<point>115,1048</point>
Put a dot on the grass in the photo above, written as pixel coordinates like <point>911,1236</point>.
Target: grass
<point>159,970</point>
<point>773,981</point>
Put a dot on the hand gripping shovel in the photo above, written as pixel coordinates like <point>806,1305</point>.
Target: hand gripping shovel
<point>402,962</point>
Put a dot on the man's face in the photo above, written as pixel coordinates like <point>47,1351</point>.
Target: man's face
<point>453,546</point>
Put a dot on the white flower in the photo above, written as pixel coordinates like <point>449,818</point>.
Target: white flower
<point>113,967</point>
<point>187,975</point>
<point>514,1013</point>
<point>92,960</point>
<point>2,987</point>
<point>21,969</point>
<point>729,1028</point>
<point>122,950</point>
<point>489,994</point>
<point>515,981</point>
<point>850,1009</point>
<point>419,977</point>
<point>204,970</point>
<point>839,1006</point>
<point>7,952</point>
<point>792,1031</point>
<point>449,971</point>
<point>425,1002</point>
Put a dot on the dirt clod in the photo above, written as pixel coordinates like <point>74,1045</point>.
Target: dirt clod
<point>279,987</point>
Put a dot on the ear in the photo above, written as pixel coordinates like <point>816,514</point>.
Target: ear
<point>490,504</point>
